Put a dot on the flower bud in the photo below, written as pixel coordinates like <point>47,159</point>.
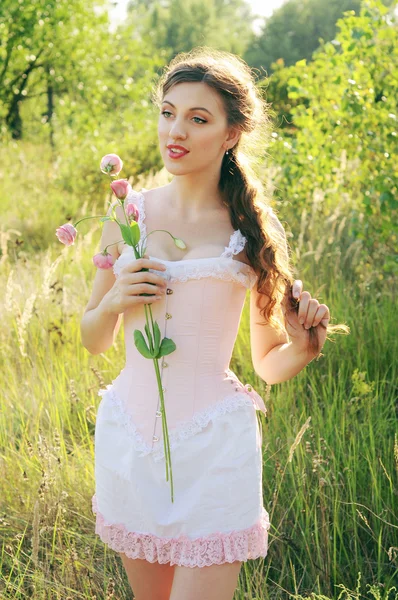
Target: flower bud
<point>103,260</point>
<point>121,188</point>
<point>179,243</point>
<point>66,234</point>
<point>112,164</point>
<point>132,212</point>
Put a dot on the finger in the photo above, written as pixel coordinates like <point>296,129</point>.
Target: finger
<point>147,288</point>
<point>322,316</point>
<point>143,277</point>
<point>312,308</point>
<point>146,263</point>
<point>297,288</point>
<point>303,306</point>
<point>154,262</point>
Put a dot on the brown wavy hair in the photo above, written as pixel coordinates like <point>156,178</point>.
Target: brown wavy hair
<point>241,190</point>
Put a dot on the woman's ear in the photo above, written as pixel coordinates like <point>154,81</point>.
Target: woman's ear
<point>233,138</point>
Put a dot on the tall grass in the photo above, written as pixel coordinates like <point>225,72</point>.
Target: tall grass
<point>329,440</point>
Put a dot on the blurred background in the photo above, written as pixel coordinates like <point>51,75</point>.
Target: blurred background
<point>75,84</point>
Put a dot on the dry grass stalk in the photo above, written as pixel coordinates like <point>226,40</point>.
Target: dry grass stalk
<point>9,300</point>
<point>364,519</point>
<point>298,439</point>
<point>48,272</point>
<point>5,237</point>
<point>35,534</point>
<point>23,321</point>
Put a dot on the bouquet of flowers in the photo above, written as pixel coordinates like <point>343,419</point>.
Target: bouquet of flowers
<point>154,347</point>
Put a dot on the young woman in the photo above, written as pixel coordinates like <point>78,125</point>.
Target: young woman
<point>193,548</point>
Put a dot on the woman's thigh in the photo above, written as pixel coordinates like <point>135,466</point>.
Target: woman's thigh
<point>217,582</point>
<point>149,581</point>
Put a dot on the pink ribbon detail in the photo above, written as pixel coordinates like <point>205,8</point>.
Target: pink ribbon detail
<point>256,398</point>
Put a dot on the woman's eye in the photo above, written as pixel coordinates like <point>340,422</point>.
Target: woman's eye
<point>167,112</point>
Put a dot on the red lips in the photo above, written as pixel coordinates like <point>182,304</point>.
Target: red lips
<point>172,154</point>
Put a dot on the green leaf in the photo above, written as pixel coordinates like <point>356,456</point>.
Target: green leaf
<point>166,347</point>
<point>126,233</point>
<point>141,344</point>
<point>135,232</point>
<point>157,337</point>
<point>293,82</point>
<point>103,219</point>
<point>149,336</point>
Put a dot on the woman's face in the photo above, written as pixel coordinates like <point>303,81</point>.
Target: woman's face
<point>192,116</point>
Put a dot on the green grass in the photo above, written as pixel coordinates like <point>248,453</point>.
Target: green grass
<point>333,507</point>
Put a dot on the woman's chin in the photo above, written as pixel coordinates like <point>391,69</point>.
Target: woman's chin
<point>174,169</point>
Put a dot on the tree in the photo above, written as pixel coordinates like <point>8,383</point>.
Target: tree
<point>294,31</point>
<point>344,136</point>
<point>175,26</point>
<point>45,47</point>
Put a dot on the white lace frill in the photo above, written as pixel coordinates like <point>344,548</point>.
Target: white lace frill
<point>183,431</point>
<point>237,242</point>
<point>226,269</point>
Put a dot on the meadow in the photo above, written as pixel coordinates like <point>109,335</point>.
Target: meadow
<point>72,92</point>
<point>330,445</point>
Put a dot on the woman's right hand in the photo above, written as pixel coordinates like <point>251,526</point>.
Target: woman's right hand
<point>132,282</point>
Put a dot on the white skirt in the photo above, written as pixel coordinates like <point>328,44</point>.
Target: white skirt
<point>217,515</point>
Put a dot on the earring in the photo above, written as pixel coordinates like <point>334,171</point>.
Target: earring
<point>226,152</point>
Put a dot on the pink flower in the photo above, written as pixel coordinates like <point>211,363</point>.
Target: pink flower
<point>132,212</point>
<point>120,188</point>
<point>103,260</point>
<point>112,164</point>
<point>66,234</point>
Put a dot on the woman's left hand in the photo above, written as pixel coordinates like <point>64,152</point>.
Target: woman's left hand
<point>310,314</point>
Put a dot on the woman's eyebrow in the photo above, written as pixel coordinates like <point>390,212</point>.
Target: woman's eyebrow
<point>194,108</point>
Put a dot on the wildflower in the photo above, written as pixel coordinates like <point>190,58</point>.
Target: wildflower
<point>103,260</point>
<point>132,212</point>
<point>66,234</point>
<point>111,164</point>
<point>120,188</point>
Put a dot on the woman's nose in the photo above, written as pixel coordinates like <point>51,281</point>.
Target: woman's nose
<point>176,131</point>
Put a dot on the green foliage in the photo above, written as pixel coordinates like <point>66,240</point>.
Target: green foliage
<point>339,149</point>
<point>175,26</point>
<point>295,30</point>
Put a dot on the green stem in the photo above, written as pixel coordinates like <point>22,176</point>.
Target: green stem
<point>84,218</point>
<point>166,440</point>
<point>113,243</point>
<point>151,232</point>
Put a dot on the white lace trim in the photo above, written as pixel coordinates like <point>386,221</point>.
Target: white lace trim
<point>224,268</point>
<point>236,244</point>
<point>183,431</point>
<point>125,419</point>
<point>200,420</point>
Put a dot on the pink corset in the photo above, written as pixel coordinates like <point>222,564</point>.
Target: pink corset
<point>201,313</point>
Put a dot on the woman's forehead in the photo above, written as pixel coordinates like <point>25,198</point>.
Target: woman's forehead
<point>187,95</point>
